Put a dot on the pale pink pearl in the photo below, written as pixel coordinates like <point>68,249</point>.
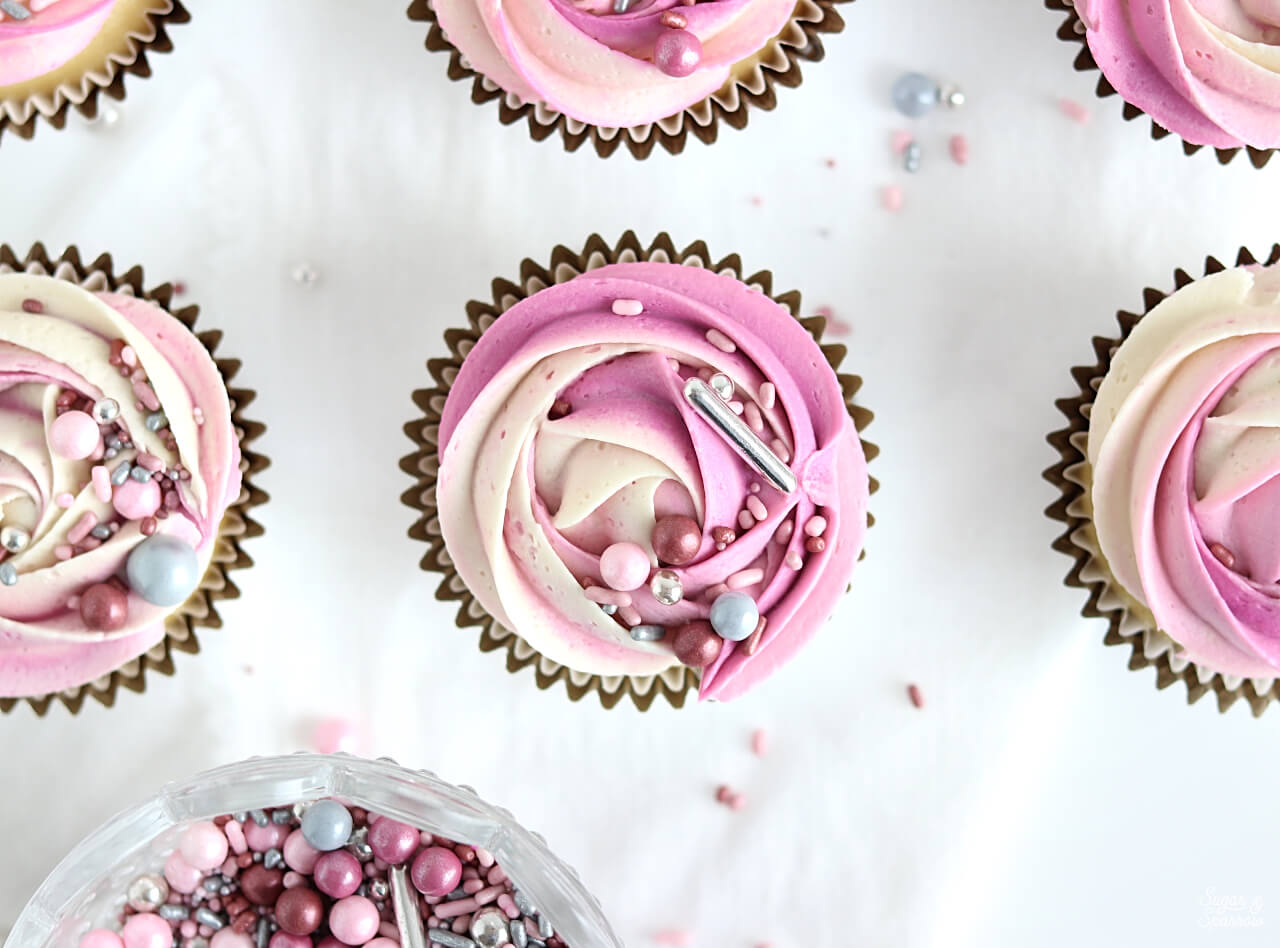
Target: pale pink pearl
<point>353,920</point>
<point>335,735</point>
<point>262,838</point>
<point>136,500</point>
<point>203,846</point>
<point>146,931</point>
<point>73,435</point>
<point>285,940</point>
<point>299,854</point>
<point>624,566</point>
<point>230,939</point>
<point>181,875</point>
<point>101,938</point>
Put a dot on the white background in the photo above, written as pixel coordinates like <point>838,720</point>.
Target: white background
<point>1045,795</point>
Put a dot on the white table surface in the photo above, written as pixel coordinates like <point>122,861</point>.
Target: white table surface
<point>1045,795</point>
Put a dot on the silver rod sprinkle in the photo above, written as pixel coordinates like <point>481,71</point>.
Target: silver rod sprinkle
<point>405,901</point>
<point>15,9</point>
<point>754,451</point>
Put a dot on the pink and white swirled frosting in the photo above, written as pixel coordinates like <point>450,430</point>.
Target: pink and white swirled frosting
<point>566,432</point>
<point>1207,70</point>
<point>63,351</point>
<point>1184,440</point>
<point>48,36</point>
<point>597,66</point>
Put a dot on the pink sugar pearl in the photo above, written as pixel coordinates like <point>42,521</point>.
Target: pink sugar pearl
<point>101,938</point>
<point>436,871</point>
<point>335,735</point>
<point>203,846</point>
<point>146,931</point>
<point>383,943</point>
<point>262,838</point>
<point>285,940</point>
<point>677,53</point>
<point>229,939</point>
<point>624,566</point>
<point>182,877</point>
<point>353,920</point>
<point>299,854</point>
<point>338,874</point>
<point>136,500</point>
<point>393,842</point>
<point>74,435</point>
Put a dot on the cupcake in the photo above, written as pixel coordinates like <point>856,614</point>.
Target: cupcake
<point>640,472</point>
<point>634,72</point>
<point>1168,474</point>
<point>56,55</point>
<point>371,854</point>
<point>124,490</point>
<point>1206,72</point>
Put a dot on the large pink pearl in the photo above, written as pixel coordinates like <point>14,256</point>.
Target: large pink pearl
<point>203,846</point>
<point>436,872</point>
<point>262,838</point>
<point>676,539</point>
<point>624,566</point>
<point>74,435</point>
<point>104,608</point>
<point>146,931</point>
<point>393,842</point>
<point>299,854</point>
<point>338,874</point>
<point>101,938</point>
<point>182,877</point>
<point>677,53</point>
<point>354,920</point>
<point>136,500</point>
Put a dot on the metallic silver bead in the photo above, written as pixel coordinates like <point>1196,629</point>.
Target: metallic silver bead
<point>378,889</point>
<point>208,917</point>
<point>281,817</point>
<point>147,893</point>
<point>304,274</point>
<point>142,475</point>
<point>118,477</point>
<point>8,574</point>
<point>443,936</point>
<point>519,934</point>
<point>299,810</point>
<point>358,845</point>
<point>111,454</point>
<point>174,913</point>
<point>911,157</point>
<point>666,587</point>
<point>722,385</point>
<point>608,608</point>
<point>14,539</point>
<point>523,903</point>
<point>544,927</point>
<point>953,96</point>
<point>648,633</point>
<point>155,421</point>
<point>101,532</point>
<point>258,816</point>
<point>105,411</point>
<point>272,858</point>
<point>489,928</point>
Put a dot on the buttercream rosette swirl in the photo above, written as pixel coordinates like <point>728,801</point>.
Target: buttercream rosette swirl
<point>118,459</point>
<point>1207,70</point>
<point>1184,446</point>
<point>600,62</point>
<point>567,433</point>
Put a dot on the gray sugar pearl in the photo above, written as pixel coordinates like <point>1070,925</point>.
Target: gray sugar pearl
<point>915,95</point>
<point>163,570</point>
<point>734,616</point>
<point>327,825</point>
<point>120,474</point>
<point>147,893</point>
<point>489,928</point>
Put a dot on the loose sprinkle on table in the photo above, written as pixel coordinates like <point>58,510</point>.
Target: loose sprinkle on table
<point>913,692</point>
<point>1074,110</point>
<point>759,742</point>
<point>891,197</point>
<point>960,149</point>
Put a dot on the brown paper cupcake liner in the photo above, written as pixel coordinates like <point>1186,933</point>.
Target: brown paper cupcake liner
<point>423,464</point>
<point>200,610</point>
<point>1131,623</point>
<point>22,118</point>
<point>752,86</point>
<point>1073,31</point>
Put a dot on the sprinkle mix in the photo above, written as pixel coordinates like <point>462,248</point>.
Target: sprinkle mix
<point>323,875</point>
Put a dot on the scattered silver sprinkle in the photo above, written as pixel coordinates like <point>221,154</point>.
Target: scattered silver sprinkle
<point>173,475</point>
<point>608,608</point>
<point>119,476</point>
<point>667,587</point>
<point>648,633</point>
<point>358,844</point>
<point>111,454</point>
<point>743,440</point>
<point>281,817</point>
<point>442,936</point>
<point>225,890</point>
<point>101,532</point>
<point>304,274</point>
<point>953,96</point>
<point>722,385</point>
<point>272,858</point>
<point>263,935</point>
<point>174,913</point>
<point>519,934</point>
<point>114,442</point>
<point>911,157</point>
<point>259,817</point>
<point>621,6</point>
<point>142,475</point>
<point>544,927</point>
<point>489,928</point>
<point>523,903</point>
<point>155,421</point>
<point>241,816</point>
<point>8,574</point>
<point>105,411</point>
<point>257,857</point>
<point>109,115</point>
<point>213,883</point>
<point>14,539</point>
<point>205,917</point>
<point>147,893</point>
<point>15,9</point>
<point>379,889</point>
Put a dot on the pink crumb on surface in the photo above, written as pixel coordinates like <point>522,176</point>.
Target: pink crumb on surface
<point>835,325</point>
<point>891,198</point>
<point>899,141</point>
<point>829,162</point>
<point>760,742</point>
<point>1073,110</point>
<point>959,149</point>
<point>756,200</point>
<point>913,692</point>
<point>335,735</point>
<point>676,937</point>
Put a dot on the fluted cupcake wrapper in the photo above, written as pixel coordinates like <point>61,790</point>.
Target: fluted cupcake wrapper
<point>1131,623</point>
<point>200,610</point>
<point>423,464</point>
<point>84,85</point>
<point>752,86</point>
<point>1073,31</point>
